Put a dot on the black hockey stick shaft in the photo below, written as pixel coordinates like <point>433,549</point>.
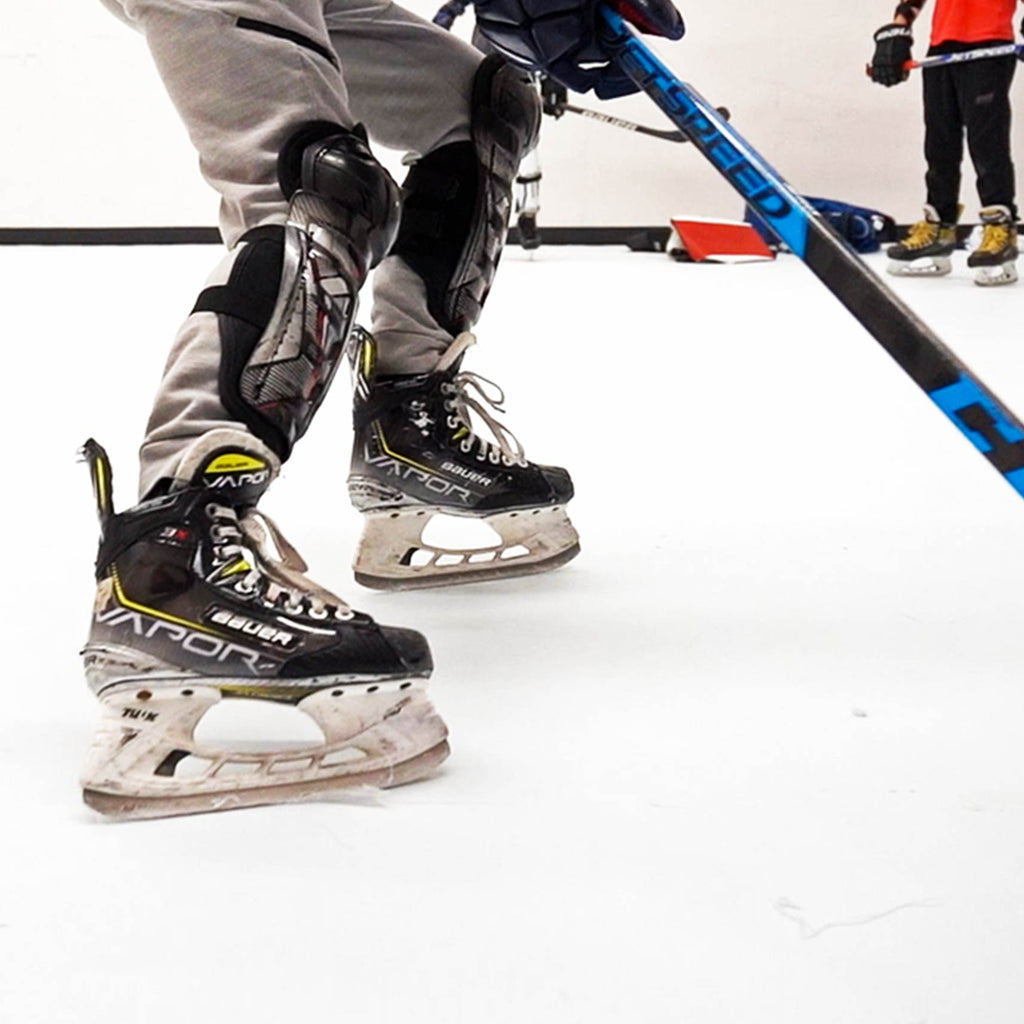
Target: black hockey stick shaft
<point>968,404</point>
<point>632,126</point>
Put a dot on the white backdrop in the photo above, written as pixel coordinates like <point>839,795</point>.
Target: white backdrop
<point>91,139</point>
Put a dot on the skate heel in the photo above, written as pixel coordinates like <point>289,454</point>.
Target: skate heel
<point>392,554</point>
<point>145,761</point>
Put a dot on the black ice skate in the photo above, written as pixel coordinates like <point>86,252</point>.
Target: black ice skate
<point>416,456</point>
<point>194,604</point>
<point>926,250</point>
<point>995,259</point>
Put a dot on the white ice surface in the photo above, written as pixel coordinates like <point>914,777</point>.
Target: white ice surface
<point>755,757</point>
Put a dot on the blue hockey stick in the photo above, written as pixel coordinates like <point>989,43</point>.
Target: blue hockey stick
<point>963,57</point>
<point>969,405</point>
<point>985,53</point>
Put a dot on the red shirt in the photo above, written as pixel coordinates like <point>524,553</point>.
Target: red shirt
<point>973,21</point>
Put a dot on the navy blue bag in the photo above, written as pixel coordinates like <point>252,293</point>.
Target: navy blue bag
<point>863,228</point>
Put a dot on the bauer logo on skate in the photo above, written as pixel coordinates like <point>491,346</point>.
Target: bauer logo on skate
<point>469,474</point>
<point>252,627</point>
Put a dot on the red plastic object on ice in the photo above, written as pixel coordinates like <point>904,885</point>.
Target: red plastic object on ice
<point>716,240</point>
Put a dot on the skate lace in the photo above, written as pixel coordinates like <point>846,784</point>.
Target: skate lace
<point>469,394</point>
<point>260,560</point>
<point>994,238</point>
<point>922,234</point>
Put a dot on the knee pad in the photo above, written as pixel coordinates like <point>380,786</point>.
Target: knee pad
<point>359,197</point>
<point>290,301</point>
<point>458,199</point>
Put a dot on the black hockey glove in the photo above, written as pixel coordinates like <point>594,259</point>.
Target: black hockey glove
<point>892,51</point>
<point>560,38</point>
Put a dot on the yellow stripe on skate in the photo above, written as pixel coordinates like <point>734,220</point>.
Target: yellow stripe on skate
<point>102,487</point>
<point>134,606</point>
<point>395,455</point>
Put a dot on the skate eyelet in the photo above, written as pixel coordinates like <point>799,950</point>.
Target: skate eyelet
<point>243,588</point>
<point>318,613</point>
<point>345,616</point>
<point>464,448</point>
<point>293,609</point>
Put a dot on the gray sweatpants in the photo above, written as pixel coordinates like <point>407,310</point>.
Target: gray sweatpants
<point>241,92</point>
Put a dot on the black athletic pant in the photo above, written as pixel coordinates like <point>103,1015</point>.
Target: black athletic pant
<point>974,97</point>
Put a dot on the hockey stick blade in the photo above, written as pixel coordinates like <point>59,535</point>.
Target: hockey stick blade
<point>968,404</point>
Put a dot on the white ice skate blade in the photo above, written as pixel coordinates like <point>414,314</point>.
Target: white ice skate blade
<point>145,761</point>
<point>928,266</point>
<point>992,277</point>
<point>393,553</point>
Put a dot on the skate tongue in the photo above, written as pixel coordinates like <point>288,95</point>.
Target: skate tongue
<point>231,463</point>
<point>240,476</point>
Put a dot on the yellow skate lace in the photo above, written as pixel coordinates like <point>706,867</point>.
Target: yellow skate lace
<point>469,394</point>
<point>994,237</point>
<point>922,234</point>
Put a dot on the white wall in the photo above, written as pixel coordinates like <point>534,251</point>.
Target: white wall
<point>90,139</point>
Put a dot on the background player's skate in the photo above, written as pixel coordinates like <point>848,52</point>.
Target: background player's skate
<point>527,199</point>
<point>200,598</point>
<point>417,455</point>
<point>995,259</point>
<point>926,250</point>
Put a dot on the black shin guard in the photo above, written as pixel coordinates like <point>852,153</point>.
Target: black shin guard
<point>457,199</point>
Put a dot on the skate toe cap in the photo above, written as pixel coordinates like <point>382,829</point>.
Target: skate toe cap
<point>366,649</point>
<point>411,648</point>
<point>559,481</point>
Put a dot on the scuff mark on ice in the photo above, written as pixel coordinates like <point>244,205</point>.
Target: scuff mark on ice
<point>788,909</point>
